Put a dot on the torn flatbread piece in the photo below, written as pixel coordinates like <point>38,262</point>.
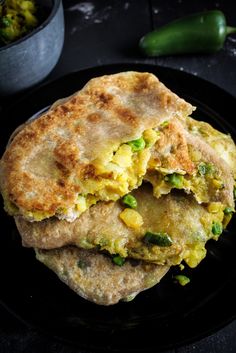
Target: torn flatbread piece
<point>222,143</point>
<point>95,277</point>
<point>107,226</point>
<point>184,160</point>
<point>94,145</point>
<point>112,227</point>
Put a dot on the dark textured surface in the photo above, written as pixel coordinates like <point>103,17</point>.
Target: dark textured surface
<point>100,32</point>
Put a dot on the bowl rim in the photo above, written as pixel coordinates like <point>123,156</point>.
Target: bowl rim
<point>55,6</point>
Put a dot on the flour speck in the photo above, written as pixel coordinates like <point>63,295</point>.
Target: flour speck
<point>73,30</point>
<point>97,20</point>
<point>102,15</point>
<point>91,14</point>
<point>126,5</point>
<point>230,46</point>
<point>232,52</point>
<point>86,8</point>
<point>156,10</point>
<point>231,39</point>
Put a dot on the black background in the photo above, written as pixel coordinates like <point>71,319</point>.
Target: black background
<point>109,33</point>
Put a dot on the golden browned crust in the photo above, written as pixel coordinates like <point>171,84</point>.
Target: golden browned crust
<point>180,150</point>
<point>40,169</point>
<point>96,278</point>
<point>224,173</point>
<point>171,149</point>
<point>222,143</point>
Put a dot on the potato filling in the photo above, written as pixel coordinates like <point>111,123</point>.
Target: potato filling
<point>112,177</point>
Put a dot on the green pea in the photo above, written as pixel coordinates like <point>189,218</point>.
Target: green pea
<point>228,210</point>
<point>130,201</point>
<point>217,228</point>
<point>137,145</point>
<point>118,260</point>
<point>205,168</point>
<point>160,239</point>
<point>175,180</point>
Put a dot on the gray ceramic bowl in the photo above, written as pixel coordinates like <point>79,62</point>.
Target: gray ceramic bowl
<point>31,58</point>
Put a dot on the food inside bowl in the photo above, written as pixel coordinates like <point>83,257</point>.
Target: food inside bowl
<point>17,18</point>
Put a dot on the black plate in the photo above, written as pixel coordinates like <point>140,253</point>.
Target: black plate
<point>162,317</point>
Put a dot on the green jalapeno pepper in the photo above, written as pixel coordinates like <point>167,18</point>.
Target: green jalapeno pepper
<point>203,32</point>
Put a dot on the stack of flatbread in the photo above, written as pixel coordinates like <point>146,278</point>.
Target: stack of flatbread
<point>117,183</point>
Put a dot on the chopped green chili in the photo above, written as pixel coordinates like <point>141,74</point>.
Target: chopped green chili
<point>118,260</point>
<point>183,280</point>
<point>234,193</point>
<point>160,239</point>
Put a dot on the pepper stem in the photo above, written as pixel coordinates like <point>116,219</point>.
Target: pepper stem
<point>230,30</point>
